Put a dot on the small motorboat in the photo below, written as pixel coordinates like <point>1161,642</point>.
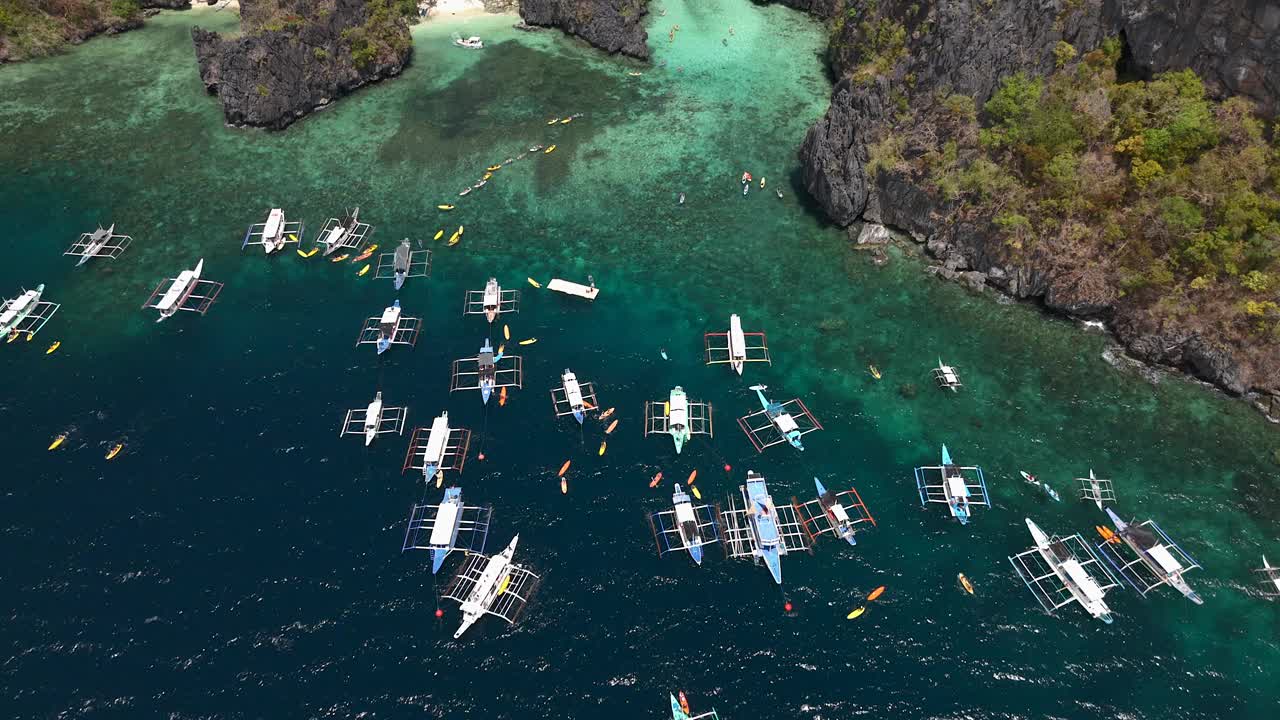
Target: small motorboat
<point>471,43</point>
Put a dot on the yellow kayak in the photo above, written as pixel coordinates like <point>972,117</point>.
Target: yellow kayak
<point>566,121</point>
<point>362,272</point>
<point>293,238</point>
<point>964,582</point>
<point>666,408</point>
<point>115,450</point>
<point>602,445</point>
<point>302,254</point>
<point>530,341</point>
<point>501,347</point>
<point>696,493</point>
<point>57,441</point>
<point>534,283</point>
<point>553,121</point>
<point>445,207</point>
<point>493,168</point>
<point>12,336</point>
<point>549,150</point>
<point>454,240</point>
<point>340,258</point>
<point>855,614</point>
<point>506,581</point>
<point>53,347</point>
<point>439,234</point>
<point>487,176</point>
<point>506,332</point>
<point>875,371</point>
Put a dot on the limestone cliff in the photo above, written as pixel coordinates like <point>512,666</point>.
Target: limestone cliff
<point>896,61</point>
<point>294,56</point>
<point>615,26</point>
<point>32,28</point>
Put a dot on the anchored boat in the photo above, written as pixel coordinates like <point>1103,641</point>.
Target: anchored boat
<point>185,292</point>
<point>1056,571</point>
<point>492,586</point>
<point>376,419</point>
<point>447,526</point>
<point>102,242</point>
<point>492,301</point>
<point>436,449</point>
<point>573,397</point>
<point>735,347</point>
<point>960,488</point>
<point>487,371</point>
<point>837,513</point>
<point>761,530</point>
<point>678,417</point>
<point>1157,559</point>
<point>684,527</point>
<point>784,422</point>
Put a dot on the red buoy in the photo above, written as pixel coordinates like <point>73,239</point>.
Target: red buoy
<point>787,607</point>
<point>439,613</point>
<point>727,468</point>
<point>481,456</point>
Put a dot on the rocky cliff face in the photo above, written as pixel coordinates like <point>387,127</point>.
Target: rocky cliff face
<point>32,28</point>
<point>294,56</point>
<point>615,26</point>
<point>966,48</point>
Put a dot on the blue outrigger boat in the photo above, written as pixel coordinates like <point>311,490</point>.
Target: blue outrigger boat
<point>446,527</point>
<point>960,488</point>
<point>1157,559</point>
<point>784,422</point>
<point>762,530</point>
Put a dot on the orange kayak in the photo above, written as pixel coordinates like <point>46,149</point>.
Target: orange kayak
<point>565,467</point>
<point>612,425</point>
<point>502,397</point>
<point>656,479</point>
<point>693,476</point>
<point>875,593</point>
<point>605,415</point>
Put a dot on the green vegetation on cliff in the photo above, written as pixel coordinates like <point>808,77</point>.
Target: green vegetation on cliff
<point>33,28</point>
<point>1162,193</point>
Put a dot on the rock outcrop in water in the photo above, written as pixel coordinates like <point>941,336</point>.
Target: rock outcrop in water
<point>32,28</point>
<point>615,26</point>
<point>294,56</point>
<point>898,58</point>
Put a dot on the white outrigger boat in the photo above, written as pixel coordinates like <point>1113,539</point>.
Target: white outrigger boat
<point>1096,490</point>
<point>448,526</point>
<point>186,292</point>
<point>1157,561</point>
<point>678,417</point>
<point>436,449</point>
<point>684,527</point>
<point>947,377</point>
<point>840,513</point>
<point>1270,580</point>
<point>573,397</point>
<point>376,419</point>
<point>492,301</point>
<point>487,371</point>
<point>783,422</point>
<point>273,234</point>
<point>760,529</point>
<point>26,314</point>
<point>736,347</point>
<point>345,232</point>
<point>390,328</point>
<point>958,487</point>
<point>403,263</point>
<point>103,242</point>
<point>492,586</point>
<point>1056,570</point>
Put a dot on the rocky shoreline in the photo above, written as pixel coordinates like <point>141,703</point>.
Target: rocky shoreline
<point>295,56</point>
<point>615,26</point>
<point>73,24</point>
<point>950,49</point>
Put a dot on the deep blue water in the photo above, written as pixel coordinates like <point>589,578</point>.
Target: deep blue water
<point>238,559</point>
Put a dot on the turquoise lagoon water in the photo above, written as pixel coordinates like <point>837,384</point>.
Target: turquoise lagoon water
<point>240,560</point>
